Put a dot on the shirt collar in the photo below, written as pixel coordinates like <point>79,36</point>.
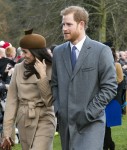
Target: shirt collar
<point>79,44</point>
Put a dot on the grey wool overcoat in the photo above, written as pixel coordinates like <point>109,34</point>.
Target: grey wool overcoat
<point>82,95</point>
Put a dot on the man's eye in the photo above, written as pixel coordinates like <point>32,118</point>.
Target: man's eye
<point>69,24</point>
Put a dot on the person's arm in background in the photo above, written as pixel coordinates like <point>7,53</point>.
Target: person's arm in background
<point>119,72</point>
<point>10,112</point>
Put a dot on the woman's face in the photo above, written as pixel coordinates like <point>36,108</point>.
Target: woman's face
<point>28,57</point>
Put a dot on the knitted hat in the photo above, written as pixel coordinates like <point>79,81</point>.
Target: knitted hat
<point>4,44</point>
<point>32,41</point>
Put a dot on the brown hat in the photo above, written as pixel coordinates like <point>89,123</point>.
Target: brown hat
<point>32,41</point>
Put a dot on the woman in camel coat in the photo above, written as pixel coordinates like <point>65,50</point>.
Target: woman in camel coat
<point>29,99</point>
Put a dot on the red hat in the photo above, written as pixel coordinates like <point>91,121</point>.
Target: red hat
<point>4,44</point>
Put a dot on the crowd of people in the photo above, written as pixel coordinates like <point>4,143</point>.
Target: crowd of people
<point>122,59</point>
<point>70,87</point>
<point>9,56</point>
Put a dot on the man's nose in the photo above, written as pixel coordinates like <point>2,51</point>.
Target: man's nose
<point>64,28</point>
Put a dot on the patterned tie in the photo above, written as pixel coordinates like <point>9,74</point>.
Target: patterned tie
<point>73,57</point>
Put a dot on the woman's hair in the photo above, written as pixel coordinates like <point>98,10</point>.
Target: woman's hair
<point>114,53</point>
<point>52,47</point>
<point>39,54</point>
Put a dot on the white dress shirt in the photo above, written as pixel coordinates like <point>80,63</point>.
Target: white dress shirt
<point>78,46</point>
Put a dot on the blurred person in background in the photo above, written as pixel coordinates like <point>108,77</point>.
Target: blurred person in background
<point>123,62</point>
<point>113,109</point>
<point>6,71</point>
<point>5,45</point>
<point>122,59</point>
<point>11,53</point>
<point>19,58</point>
<point>4,61</point>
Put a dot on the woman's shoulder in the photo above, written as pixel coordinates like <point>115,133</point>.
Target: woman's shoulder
<point>19,66</point>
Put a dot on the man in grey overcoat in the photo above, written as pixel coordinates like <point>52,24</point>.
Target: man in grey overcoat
<point>83,83</point>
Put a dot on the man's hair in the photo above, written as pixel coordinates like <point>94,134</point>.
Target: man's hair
<point>80,14</point>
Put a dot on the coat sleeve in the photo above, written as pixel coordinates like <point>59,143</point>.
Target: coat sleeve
<point>107,84</point>
<point>45,90</point>
<point>11,106</point>
<point>54,85</point>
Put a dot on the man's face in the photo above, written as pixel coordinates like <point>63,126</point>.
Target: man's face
<point>123,55</point>
<point>71,29</point>
<point>126,54</point>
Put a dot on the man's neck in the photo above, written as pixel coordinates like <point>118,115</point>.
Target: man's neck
<point>78,40</point>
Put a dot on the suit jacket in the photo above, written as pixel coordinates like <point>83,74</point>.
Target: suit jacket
<point>82,95</point>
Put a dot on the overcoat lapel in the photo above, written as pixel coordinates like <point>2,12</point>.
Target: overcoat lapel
<point>83,54</point>
<point>66,58</point>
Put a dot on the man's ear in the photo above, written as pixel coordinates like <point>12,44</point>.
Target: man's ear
<point>82,24</point>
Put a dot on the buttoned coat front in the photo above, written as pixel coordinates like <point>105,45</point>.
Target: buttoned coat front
<point>82,95</point>
<point>29,103</point>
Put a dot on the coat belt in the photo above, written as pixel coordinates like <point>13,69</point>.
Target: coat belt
<point>31,113</point>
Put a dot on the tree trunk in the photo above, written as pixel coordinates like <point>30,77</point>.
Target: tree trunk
<point>103,17</point>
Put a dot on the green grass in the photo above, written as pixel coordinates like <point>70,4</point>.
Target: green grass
<point>119,135</point>
<point>57,145</point>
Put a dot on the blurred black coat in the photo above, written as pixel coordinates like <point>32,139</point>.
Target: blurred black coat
<point>3,63</point>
